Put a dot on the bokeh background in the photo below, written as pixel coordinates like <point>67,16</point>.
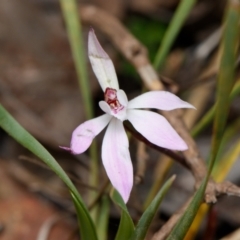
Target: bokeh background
<point>39,87</point>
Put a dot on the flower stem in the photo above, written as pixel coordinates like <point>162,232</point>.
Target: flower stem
<point>74,30</point>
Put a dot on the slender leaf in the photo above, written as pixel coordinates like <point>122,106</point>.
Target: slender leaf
<point>16,131</point>
<point>208,117</point>
<point>226,75</point>
<point>224,167</point>
<point>224,87</point>
<point>73,26</point>
<point>145,221</point>
<point>201,213</point>
<point>126,227</point>
<point>103,218</point>
<point>229,133</point>
<point>185,221</point>
<point>177,22</point>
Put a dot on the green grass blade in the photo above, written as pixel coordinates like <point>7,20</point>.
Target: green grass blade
<point>176,23</point>
<point>87,231</point>
<point>145,221</point>
<point>226,74</point>
<point>224,87</point>
<point>103,218</point>
<point>208,117</point>
<point>73,26</point>
<point>229,133</point>
<point>185,221</point>
<point>126,226</point>
<point>16,131</point>
<point>226,163</point>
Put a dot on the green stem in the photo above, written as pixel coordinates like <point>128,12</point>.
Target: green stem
<point>73,26</point>
<point>74,30</point>
<point>103,218</point>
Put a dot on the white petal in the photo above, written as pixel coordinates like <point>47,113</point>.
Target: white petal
<point>83,135</point>
<point>156,129</point>
<point>122,97</point>
<point>116,158</point>
<point>105,107</point>
<point>119,114</point>
<point>160,100</point>
<point>101,63</point>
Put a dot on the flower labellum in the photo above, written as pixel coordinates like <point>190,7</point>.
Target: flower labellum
<point>115,147</point>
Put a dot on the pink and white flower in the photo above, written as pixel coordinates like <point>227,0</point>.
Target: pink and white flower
<point>115,147</point>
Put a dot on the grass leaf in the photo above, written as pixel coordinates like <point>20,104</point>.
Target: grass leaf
<point>174,28</point>
<point>147,217</point>
<point>126,227</point>
<point>16,131</point>
<point>224,86</point>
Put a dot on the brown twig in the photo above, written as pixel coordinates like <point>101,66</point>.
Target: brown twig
<point>142,158</point>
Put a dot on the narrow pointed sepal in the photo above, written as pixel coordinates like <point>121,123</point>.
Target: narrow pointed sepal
<point>84,134</point>
<point>116,158</point>
<point>101,63</point>
<point>156,129</point>
<point>161,100</point>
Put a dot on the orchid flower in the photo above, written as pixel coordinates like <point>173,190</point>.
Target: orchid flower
<point>115,147</point>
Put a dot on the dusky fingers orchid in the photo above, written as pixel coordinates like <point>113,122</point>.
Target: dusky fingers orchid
<point>115,148</point>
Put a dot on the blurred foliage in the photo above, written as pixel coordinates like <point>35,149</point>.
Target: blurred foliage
<point>149,32</point>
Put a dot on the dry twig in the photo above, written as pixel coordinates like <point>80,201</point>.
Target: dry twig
<point>142,158</point>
